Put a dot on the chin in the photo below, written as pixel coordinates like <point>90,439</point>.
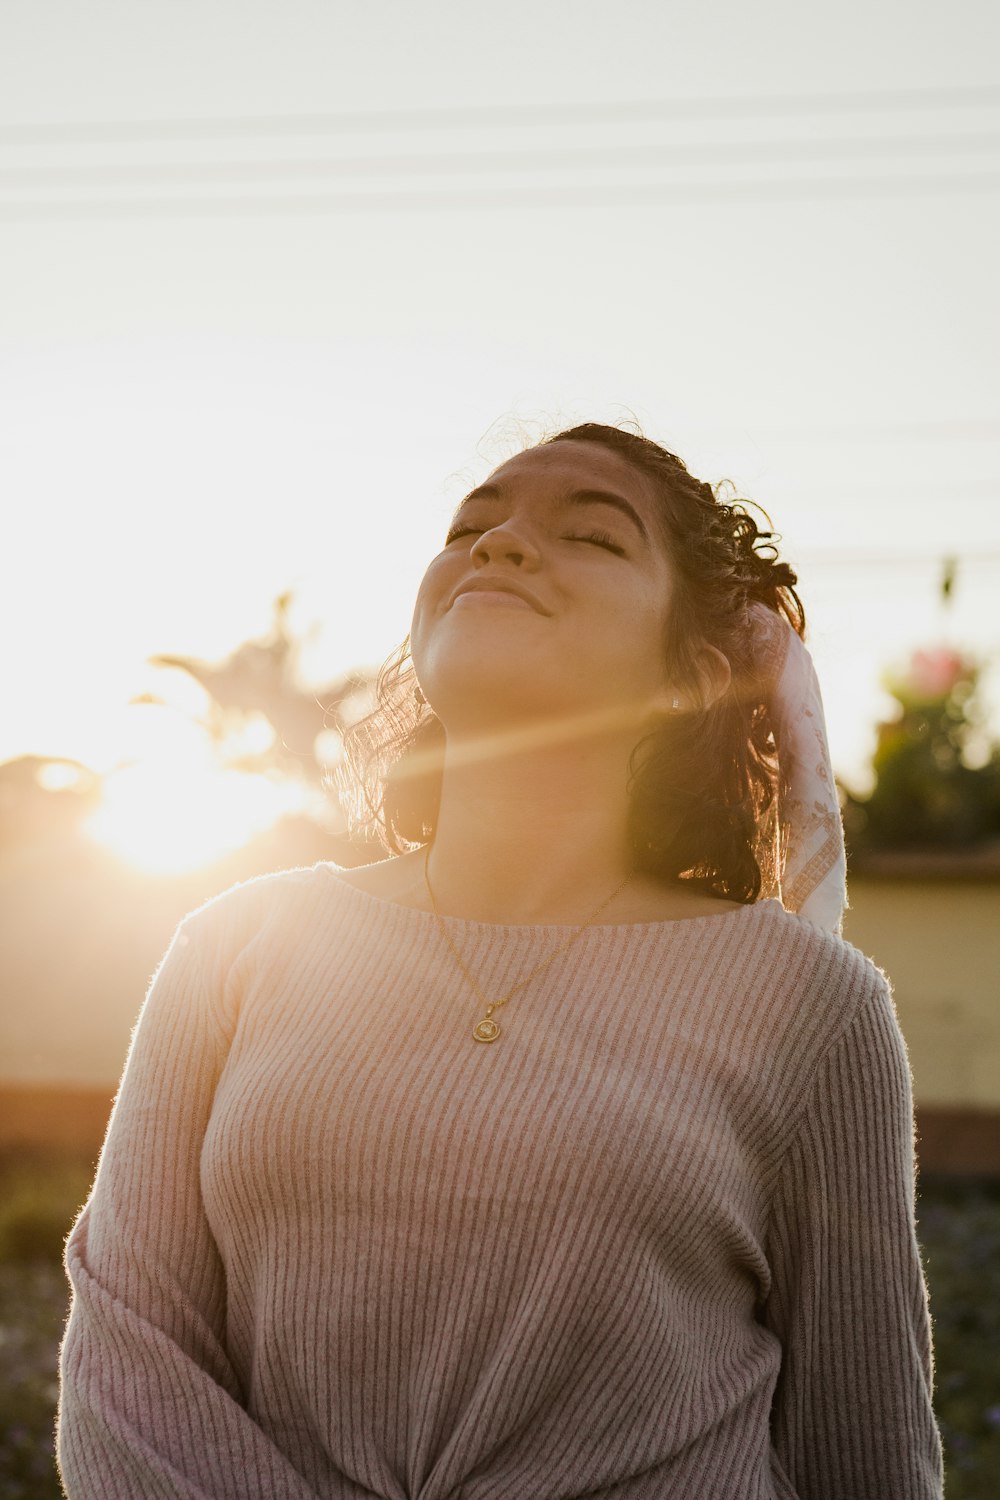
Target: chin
<point>486,688</point>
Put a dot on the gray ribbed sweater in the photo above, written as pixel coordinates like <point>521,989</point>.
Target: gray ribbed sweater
<point>656,1241</point>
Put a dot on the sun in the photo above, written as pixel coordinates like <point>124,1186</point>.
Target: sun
<point>165,819</point>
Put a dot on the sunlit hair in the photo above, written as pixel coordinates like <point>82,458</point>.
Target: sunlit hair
<point>703,786</point>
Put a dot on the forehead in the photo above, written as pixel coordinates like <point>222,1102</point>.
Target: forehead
<point>579,465</point>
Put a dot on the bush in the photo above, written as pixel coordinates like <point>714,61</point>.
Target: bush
<point>937,774</point>
<point>40,1196</point>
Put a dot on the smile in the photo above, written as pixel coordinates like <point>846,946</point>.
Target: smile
<point>477,598</point>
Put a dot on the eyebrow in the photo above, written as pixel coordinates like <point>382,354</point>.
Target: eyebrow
<point>573,497</point>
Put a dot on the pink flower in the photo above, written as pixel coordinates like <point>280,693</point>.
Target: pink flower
<point>934,673</point>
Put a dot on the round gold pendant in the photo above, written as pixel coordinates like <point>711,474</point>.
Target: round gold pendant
<point>486,1031</point>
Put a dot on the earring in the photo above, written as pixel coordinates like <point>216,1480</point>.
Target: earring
<point>419,697</point>
<point>676,703</point>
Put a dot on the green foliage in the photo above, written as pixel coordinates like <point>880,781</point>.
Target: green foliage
<point>959,1230</point>
<point>33,1307</point>
<point>937,777</point>
<point>40,1194</point>
<point>31,1229</point>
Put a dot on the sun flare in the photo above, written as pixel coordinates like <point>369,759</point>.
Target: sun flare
<point>165,820</point>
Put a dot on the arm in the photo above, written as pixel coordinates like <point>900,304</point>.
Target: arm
<point>149,1402</point>
<point>852,1412</point>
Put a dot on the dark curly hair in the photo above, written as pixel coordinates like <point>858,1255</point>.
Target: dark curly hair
<point>704,786</point>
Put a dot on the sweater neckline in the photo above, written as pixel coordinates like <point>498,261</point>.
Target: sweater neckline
<point>468,924</point>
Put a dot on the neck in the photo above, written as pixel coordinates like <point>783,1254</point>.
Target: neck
<point>533,830</point>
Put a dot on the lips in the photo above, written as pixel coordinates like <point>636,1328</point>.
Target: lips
<point>495,585</point>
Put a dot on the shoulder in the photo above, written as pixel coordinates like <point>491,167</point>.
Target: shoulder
<point>816,988</point>
<point>854,1084</point>
<point>848,975</point>
<point>259,909</point>
<point>259,925</point>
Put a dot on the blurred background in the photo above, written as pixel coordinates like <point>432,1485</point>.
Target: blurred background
<point>279,283</point>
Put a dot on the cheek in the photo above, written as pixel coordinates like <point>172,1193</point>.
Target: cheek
<point>435,588</point>
<point>644,635</point>
<point>642,610</point>
<point>417,628</point>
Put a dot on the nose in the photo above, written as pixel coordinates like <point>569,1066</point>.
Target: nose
<point>509,542</point>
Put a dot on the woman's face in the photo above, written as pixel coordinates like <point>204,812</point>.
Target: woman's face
<point>572,529</point>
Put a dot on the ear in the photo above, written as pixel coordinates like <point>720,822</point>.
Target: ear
<point>714,677</point>
<point>715,674</point>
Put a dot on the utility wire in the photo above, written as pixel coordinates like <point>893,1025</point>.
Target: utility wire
<point>817,557</point>
<point>571,158</point>
<point>637,195</point>
<point>493,116</point>
<point>928,428</point>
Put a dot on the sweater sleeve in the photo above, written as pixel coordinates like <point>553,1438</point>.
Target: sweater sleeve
<point>852,1413</point>
<point>149,1403</point>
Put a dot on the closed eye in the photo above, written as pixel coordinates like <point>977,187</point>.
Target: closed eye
<point>598,538</point>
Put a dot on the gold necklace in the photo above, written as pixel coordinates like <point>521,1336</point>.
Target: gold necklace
<point>487,1029</point>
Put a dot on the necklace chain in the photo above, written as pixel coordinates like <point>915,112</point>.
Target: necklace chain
<point>487,1030</point>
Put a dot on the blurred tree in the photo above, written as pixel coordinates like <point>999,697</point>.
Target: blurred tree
<point>259,718</point>
<point>937,774</point>
<point>259,682</point>
<point>263,721</point>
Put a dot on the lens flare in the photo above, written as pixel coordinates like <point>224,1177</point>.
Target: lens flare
<point>165,820</point>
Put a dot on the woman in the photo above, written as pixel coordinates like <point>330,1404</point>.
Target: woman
<point>358,1229</point>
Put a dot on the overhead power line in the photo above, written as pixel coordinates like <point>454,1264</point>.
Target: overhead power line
<point>931,429</point>
<point>493,116</point>
<point>901,490</point>
<point>841,558</point>
<point>539,160</point>
<point>638,195</point>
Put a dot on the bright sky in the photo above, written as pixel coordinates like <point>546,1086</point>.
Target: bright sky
<point>208,401</point>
